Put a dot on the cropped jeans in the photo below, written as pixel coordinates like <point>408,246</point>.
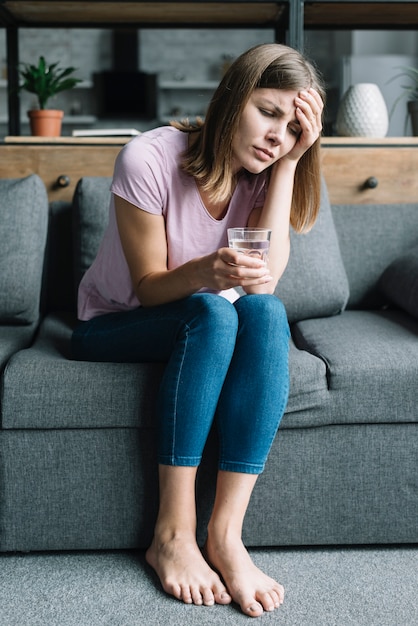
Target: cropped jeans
<point>225,363</point>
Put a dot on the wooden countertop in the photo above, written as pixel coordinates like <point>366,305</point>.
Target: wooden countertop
<point>111,140</point>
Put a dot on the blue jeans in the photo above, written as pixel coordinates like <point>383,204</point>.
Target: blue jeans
<point>225,362</point>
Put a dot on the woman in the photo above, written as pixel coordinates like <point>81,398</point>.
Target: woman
<point>162,289</point>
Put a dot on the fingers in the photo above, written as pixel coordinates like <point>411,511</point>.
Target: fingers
<point>243,269</point>
<point>227,268</point>
<point>232,256</point>
<point>309,110</point>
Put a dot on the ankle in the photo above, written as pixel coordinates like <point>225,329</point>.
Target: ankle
<point>222,534</point>
<point>167,534</point>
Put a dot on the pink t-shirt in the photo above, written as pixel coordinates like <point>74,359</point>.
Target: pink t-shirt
<point>147,174</point>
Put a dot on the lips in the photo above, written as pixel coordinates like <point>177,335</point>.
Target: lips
<point>263,153</point>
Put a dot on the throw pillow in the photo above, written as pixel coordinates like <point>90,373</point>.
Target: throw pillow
<point>90,219</point>
<point>23,233</point>
<point>315,283</point>
<point>399,282</point>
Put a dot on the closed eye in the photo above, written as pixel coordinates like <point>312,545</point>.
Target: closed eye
<point>267,113</point>
<point>294,129</point>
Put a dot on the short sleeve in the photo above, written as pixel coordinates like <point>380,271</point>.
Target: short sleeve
<point>139,176</point>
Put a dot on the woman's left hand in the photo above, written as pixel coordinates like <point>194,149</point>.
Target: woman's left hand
<point>309,107</point>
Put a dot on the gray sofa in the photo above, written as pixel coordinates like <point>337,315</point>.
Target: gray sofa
<point>78,440</point>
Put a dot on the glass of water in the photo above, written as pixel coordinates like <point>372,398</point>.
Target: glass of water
<point>254,242</point>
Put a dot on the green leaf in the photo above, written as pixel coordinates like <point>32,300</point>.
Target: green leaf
<point>45,81</point>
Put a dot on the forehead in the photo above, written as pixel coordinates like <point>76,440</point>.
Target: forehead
<point>283,100</point>
<point>274,95</point>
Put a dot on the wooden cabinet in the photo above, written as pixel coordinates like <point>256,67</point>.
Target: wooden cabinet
<point>357,171</point>
<point>60,166</point>
<point>368,171</point>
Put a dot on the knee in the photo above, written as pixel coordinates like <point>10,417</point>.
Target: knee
<point>263,309</point>
<point>216,313</point>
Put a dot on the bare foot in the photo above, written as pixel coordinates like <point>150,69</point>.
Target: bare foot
<point>253,590</point>
<point>184,573</point>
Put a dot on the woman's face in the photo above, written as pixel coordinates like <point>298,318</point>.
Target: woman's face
<point>267,131</point>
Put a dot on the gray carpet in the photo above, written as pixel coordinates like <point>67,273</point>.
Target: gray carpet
<point>373,586</point>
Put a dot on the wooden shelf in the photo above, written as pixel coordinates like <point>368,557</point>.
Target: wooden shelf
<point>73,141</point>
<point>360,15</point>
<point>252,13</point>
<point>288,18</point>
<point>341,142</point>
<point>352,142</point>
<point>53,12</point>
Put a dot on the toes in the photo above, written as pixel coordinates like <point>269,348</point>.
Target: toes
<point>195,595</point>
<point>223,597</point>
<point>279,593</point>
<point>186,594</point>
<point>277,597</point>
<point>267,601</point>
<point>254,609</point>
<point>221,594</point>
<point>173,589</point>
<point>208,597</point>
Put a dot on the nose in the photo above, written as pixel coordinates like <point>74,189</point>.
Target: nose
<point>276,134</point>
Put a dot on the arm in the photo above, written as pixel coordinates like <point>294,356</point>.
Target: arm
<point>144,243</point>
<point>275,214</point>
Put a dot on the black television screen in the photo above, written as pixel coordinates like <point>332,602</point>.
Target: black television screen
<point>126,94</point>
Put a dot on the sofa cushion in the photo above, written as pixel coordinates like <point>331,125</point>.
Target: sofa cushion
<point>44,388</point>
<point>315,283</point>
<point>372,364</point>
<point>399,282</point>
<point>23,231</point>
<point>14,338</point>
<point>90,219</point>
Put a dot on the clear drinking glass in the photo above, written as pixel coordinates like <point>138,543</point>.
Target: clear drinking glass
<point>254,242</point>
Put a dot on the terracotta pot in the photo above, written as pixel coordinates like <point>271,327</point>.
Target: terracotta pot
<point>45,122</point>
<point>413,113</point>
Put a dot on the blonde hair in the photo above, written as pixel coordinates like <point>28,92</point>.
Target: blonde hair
<point>209,156</point>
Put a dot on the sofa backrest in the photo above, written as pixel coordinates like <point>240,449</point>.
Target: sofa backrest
<point>371,237</point>
<point>23,233</point>
<point>336,265</point>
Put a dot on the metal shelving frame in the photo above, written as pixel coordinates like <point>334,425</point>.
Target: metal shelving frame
<point>288,18</point>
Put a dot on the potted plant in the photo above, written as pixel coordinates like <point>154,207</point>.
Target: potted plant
<point>46,81</point>
<point>410,92</point>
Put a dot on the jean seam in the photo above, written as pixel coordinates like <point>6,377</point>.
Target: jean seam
<point>173,443</point>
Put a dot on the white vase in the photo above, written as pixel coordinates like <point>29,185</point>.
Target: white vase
<point>362,112</point>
